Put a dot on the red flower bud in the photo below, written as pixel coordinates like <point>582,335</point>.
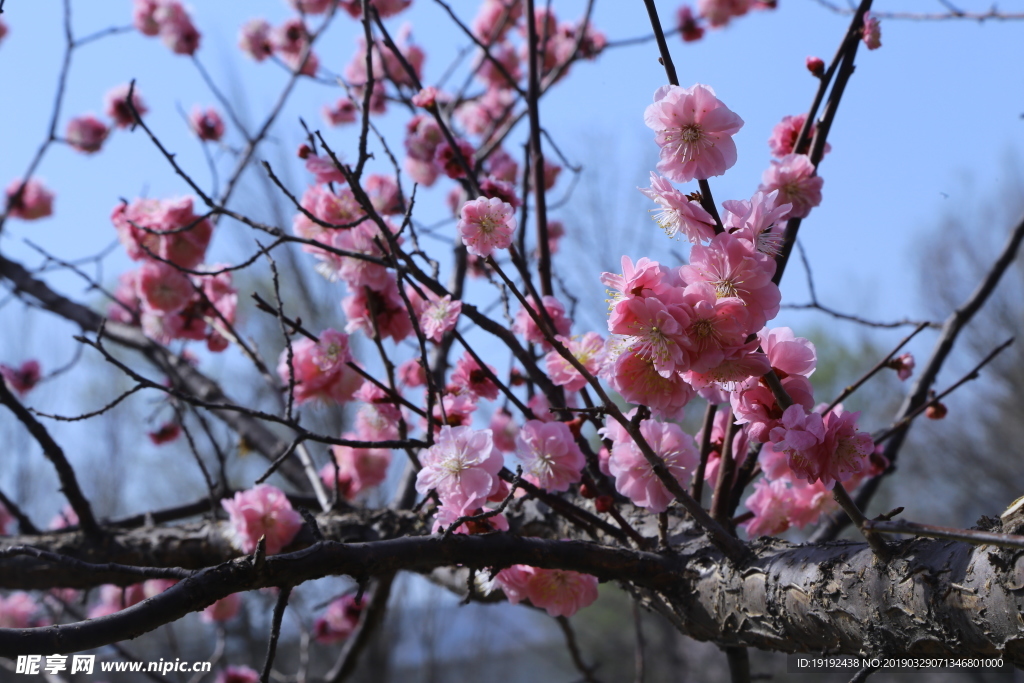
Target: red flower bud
<point>604,503</point>
<point>816,66</point>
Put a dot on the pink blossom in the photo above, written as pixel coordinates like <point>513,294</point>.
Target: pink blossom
<point>384,194</point>
<point>785,133</point>
<point>734,269</point>
<point>358,468</point>
<point>163,287</point>
<point>65,518</point>
<point>86,134</point>
<point>679,213</point>
<point>116,105</point>
<point>320,369</point>
<point>551,459</point>
<point>848,449</point>
<point>794,177</point>
<point>562,593</point>
<point>788,354</point>
<point>872,32</point>
<point>378,421</point>
<point>771,504</point>
<point>469,376</point>
<point>694,130</point>
<point>740,441</point>
<point>324,170</point>
<point>411,373</point>
<point>656,330</point>
<point>390,317</point>
<point>495,18</point>
<point>423,135</point>
<point>310,6</point>
<point>254,39</point>
<point>719,12</point>
<point>35,200</point>
<point>16,610</point>
<point>754,404</point>
<point>588,350</point>
<point>717,327</point>
<point>224,609</point>
<point>166,228</point>
<point>263,511</point>
<point>689,27</point>
<point>811,500</point>
<point>761,221</point>
<point>446,159</point>
<point>21,379</point>
<point>462,466</point>
<point>115,598</point>
<point>425,98</point>
<point>486,225</point>
<point>339,621</point>
<point>506,192</point>
<point>634,476</point>
<point>447,515</point>
<point>386,8</point>
<point>440,317</point>
<point>738,364</point>
<point>637,381</point>
<point>343,111</point>
<point>645,278</point>
<point>493,77</point>
<point>454,410</point>
<point>208,125</point>
<point>238,674</point>
<point>504,430</point>
<point>143,18</point>
<point>525,325</point>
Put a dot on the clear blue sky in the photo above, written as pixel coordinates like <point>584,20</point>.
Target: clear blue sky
<point>939,105</point>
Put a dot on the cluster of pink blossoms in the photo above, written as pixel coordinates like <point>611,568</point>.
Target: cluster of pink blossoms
<point>170,295</point>
<point>339,620</point>
<point>169,20</point>
<point>17,611</point>
<point>561,593</point>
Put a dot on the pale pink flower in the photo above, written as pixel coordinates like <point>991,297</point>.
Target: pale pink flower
<point>717,327</point>
<point>174,26</point>
<point>263,511</point>
<point>495,18</point>
<point>143,18</point>
<point>719,12</point>
<point>163,287</point>
<point>16,610</point>
<point>254,39</point>
<point>551,459</point>
<point>386,8</point>
<point>645,278</point>
<point>525,325</point>
<point>679,213</point>
<point>167,228</point>
<point>811,500</point>
<point>798,435</point>
<point>358,468</point>
<point>489,73</point>
<point>689,27</point>
<point>378,421</point>
<point>411,373</point>
<point>115,598</point>
<point>384,194</point>
<point>457,410</point>
<point>634,476</point>
<point>588,350</point>
<point>425,98</point>
<point>116,105</point>
<point>447,515</point>
<point>788,354</point>
<point>21,379</point>
<point>224,609</point>
<point>208,125</point>
<point>342,111</point>
<point>694,130</point>
<point>740,441</point>
<point>65,518</point>
<point>324,170</point>
<point>320,369</point>
<point>771,504</point>
<point>35,200</point>
<point>486,225</point>
<point>440,317</point>
<point>637,380</point>
<point>794,176</point>
<point>238,674</point>
<point>339,621</point>
<point>734,269</point>
<point>506,192</point>
<point>785,133</point>
<point>562,593</point>
<point>446,159</point>
<point>760,221</point>
<point>86,134</point>
<point>754,404</point>
<point>469,376</point>
<point>872,32</point>
<point>848,450</point>
<point>462,466</point>
<point>504,430</point>
<point>738,364</point>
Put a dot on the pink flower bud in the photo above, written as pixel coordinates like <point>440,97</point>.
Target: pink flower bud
<point>86,133</point>
<point>816,66</point>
